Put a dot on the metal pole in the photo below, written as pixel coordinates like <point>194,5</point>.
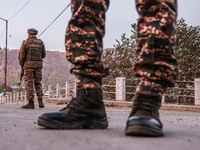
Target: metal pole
<point>5,76</point>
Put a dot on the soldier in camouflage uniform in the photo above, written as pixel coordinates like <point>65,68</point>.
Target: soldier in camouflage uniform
<point>156,68</point>
<point>31,53</point>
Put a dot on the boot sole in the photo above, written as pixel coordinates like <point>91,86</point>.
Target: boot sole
<point>27,108</point>
<point>143,131</point>
<point>94,123</point>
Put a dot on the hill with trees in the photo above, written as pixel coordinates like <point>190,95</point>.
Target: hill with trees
<point>56,68</point>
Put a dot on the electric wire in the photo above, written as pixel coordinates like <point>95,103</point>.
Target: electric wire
<point>19,10</point>
<point>54,20</point>
<point>46,27</point>
<point>2,32</point>
<point>14,16</point>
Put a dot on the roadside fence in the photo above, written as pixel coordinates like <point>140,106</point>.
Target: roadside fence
<point>119,89</point>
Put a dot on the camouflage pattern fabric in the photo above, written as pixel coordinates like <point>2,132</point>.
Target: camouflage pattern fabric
<point>31,53</point>
<point>34,52</point>
<point>157,67</point>
<point>84,42</point>
<point>33,76</point>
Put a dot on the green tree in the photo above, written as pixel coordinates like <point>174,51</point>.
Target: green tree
<point>121,62</point>
<point>122,58</point>
<point>187,51</point>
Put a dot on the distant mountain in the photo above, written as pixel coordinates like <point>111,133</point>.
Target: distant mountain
<point>56,68</point>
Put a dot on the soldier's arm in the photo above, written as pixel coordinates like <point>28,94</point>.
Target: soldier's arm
<point>43,51</point>
<point>22,54</point>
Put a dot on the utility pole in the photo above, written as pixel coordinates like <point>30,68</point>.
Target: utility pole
<point>5,71</point>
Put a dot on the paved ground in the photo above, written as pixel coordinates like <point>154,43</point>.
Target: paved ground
<point>19,131</point>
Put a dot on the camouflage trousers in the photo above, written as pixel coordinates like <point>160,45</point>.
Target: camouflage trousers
<point>33,76</point>
<point>156,67</point>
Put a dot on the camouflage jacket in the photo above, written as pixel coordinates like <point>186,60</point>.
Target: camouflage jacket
<point>24,52</point>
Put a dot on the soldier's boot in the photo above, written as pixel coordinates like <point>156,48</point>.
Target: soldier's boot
<point>40,103</point>
<point>144,118</point>
<point>30,105</point>
<point>86,111</point>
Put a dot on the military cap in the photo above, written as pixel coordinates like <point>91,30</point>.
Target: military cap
<point>32,31</point>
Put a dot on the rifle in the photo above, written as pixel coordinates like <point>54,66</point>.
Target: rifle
<point>21,76</point>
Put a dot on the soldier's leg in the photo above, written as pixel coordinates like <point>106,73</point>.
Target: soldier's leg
<point>83,49</point>
<point>157,67</point>
<point>84,42</point>
<point>28,78</point>
<point>38,86</point>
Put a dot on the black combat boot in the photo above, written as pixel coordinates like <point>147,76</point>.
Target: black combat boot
<point>40,103</point>
<point>86,111</point>
<point>144,118</point>
<point>30,105</point>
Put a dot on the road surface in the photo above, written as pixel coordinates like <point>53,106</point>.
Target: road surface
<point>19,131</point>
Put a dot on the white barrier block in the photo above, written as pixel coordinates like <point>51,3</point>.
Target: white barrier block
<point>197,91</point>
<point>120,89</point>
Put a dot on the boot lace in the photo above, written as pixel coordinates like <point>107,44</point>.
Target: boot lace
<point>150,104</point>
<point>76,102</point>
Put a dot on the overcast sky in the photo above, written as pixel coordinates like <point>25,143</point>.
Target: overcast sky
<point>40,13</point>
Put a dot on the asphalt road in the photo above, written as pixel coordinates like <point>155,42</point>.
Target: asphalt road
<point>19,131</point>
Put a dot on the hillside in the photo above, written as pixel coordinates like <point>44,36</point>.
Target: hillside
<point>56,68</point>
